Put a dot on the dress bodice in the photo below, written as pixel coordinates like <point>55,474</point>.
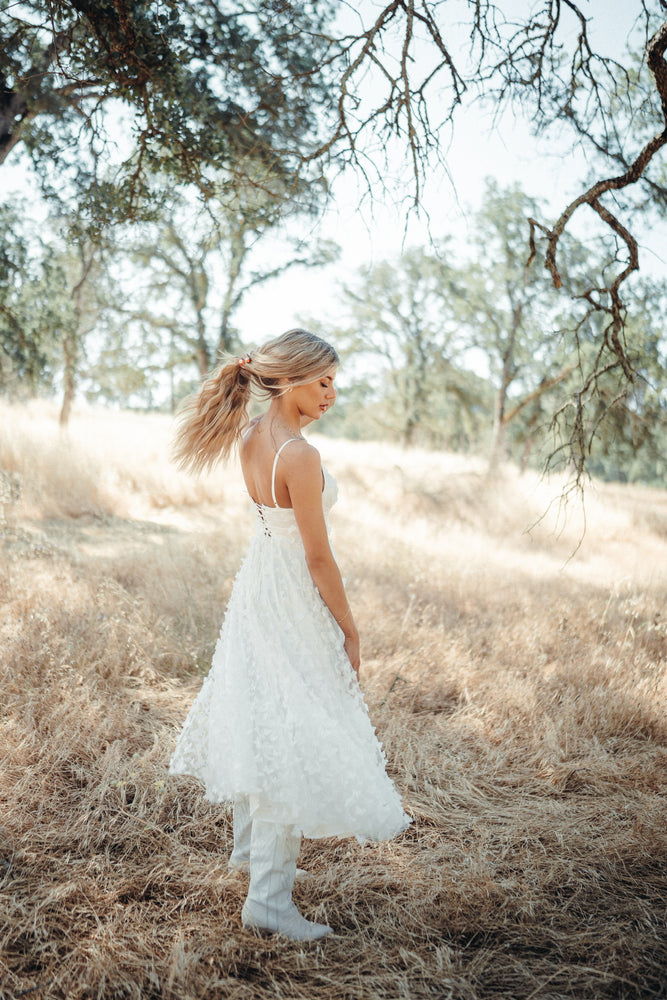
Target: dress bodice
<point>280,521</point>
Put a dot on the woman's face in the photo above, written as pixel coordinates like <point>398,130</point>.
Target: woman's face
<point>315,398</point>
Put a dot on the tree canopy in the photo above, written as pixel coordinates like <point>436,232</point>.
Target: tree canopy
<point>207,86</point>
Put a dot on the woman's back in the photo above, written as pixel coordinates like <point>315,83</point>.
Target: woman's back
<point>260,452</point>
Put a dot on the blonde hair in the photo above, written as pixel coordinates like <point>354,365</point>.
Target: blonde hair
<point>211,421</point>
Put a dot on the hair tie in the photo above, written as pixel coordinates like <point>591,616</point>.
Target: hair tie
<point>245,360</point>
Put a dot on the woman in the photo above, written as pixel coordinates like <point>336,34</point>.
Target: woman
<point>280,727</point>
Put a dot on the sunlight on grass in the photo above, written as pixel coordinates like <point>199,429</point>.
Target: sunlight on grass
<point>517,683</point>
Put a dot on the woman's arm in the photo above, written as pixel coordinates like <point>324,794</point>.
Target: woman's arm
<point>303,477</point>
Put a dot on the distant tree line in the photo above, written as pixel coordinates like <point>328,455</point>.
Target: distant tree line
<point>483,354</point>
<point>170,139</point>
<point>474,352</point>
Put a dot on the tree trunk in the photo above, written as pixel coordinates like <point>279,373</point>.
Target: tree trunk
<point>198,286</point>
<point>238,253</point>
<point>499,422</point>
<point>499,415</point>
<point>498,438</point>
<point>201,351</point>
<point>72,338</point>
<point>69,376</point>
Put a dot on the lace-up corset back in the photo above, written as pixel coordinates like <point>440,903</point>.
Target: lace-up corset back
<point>280,521</point>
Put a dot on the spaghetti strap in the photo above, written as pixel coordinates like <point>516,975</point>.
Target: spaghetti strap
<point>275,463</point>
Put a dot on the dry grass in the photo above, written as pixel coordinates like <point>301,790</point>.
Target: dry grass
<point>520,696</point>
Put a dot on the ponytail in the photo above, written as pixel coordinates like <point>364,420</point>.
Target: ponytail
<point>211,422</point>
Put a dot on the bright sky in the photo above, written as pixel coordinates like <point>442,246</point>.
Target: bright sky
<point>371,233</point>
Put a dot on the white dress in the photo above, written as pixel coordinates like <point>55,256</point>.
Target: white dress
<point>281,717</point>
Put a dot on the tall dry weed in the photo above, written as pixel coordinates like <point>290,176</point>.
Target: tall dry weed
<point>519,691</point>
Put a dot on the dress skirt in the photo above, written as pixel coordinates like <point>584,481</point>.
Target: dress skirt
<point>281,717</point>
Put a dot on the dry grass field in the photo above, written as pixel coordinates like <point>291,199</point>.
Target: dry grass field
<point>519,690</point>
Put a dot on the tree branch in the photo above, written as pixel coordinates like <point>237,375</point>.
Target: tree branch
<point>607,298</point>
<point>544,386</point>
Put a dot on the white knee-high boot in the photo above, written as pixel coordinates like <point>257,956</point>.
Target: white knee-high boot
<point>239,860</point>
<point>274,849</point>
<point>240,856</point>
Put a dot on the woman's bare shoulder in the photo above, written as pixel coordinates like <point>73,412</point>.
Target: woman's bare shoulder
<point>301,459</point>
<point>301,450</point>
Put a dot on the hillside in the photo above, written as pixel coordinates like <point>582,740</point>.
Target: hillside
<point>514,665</point>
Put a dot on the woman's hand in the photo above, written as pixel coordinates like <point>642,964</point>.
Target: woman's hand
<point>352,650</point>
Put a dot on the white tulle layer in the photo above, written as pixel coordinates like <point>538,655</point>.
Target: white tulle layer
<point>281,717</point>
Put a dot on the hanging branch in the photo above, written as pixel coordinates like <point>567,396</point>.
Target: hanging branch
<point>393,46</point>
<point>607,298</point>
